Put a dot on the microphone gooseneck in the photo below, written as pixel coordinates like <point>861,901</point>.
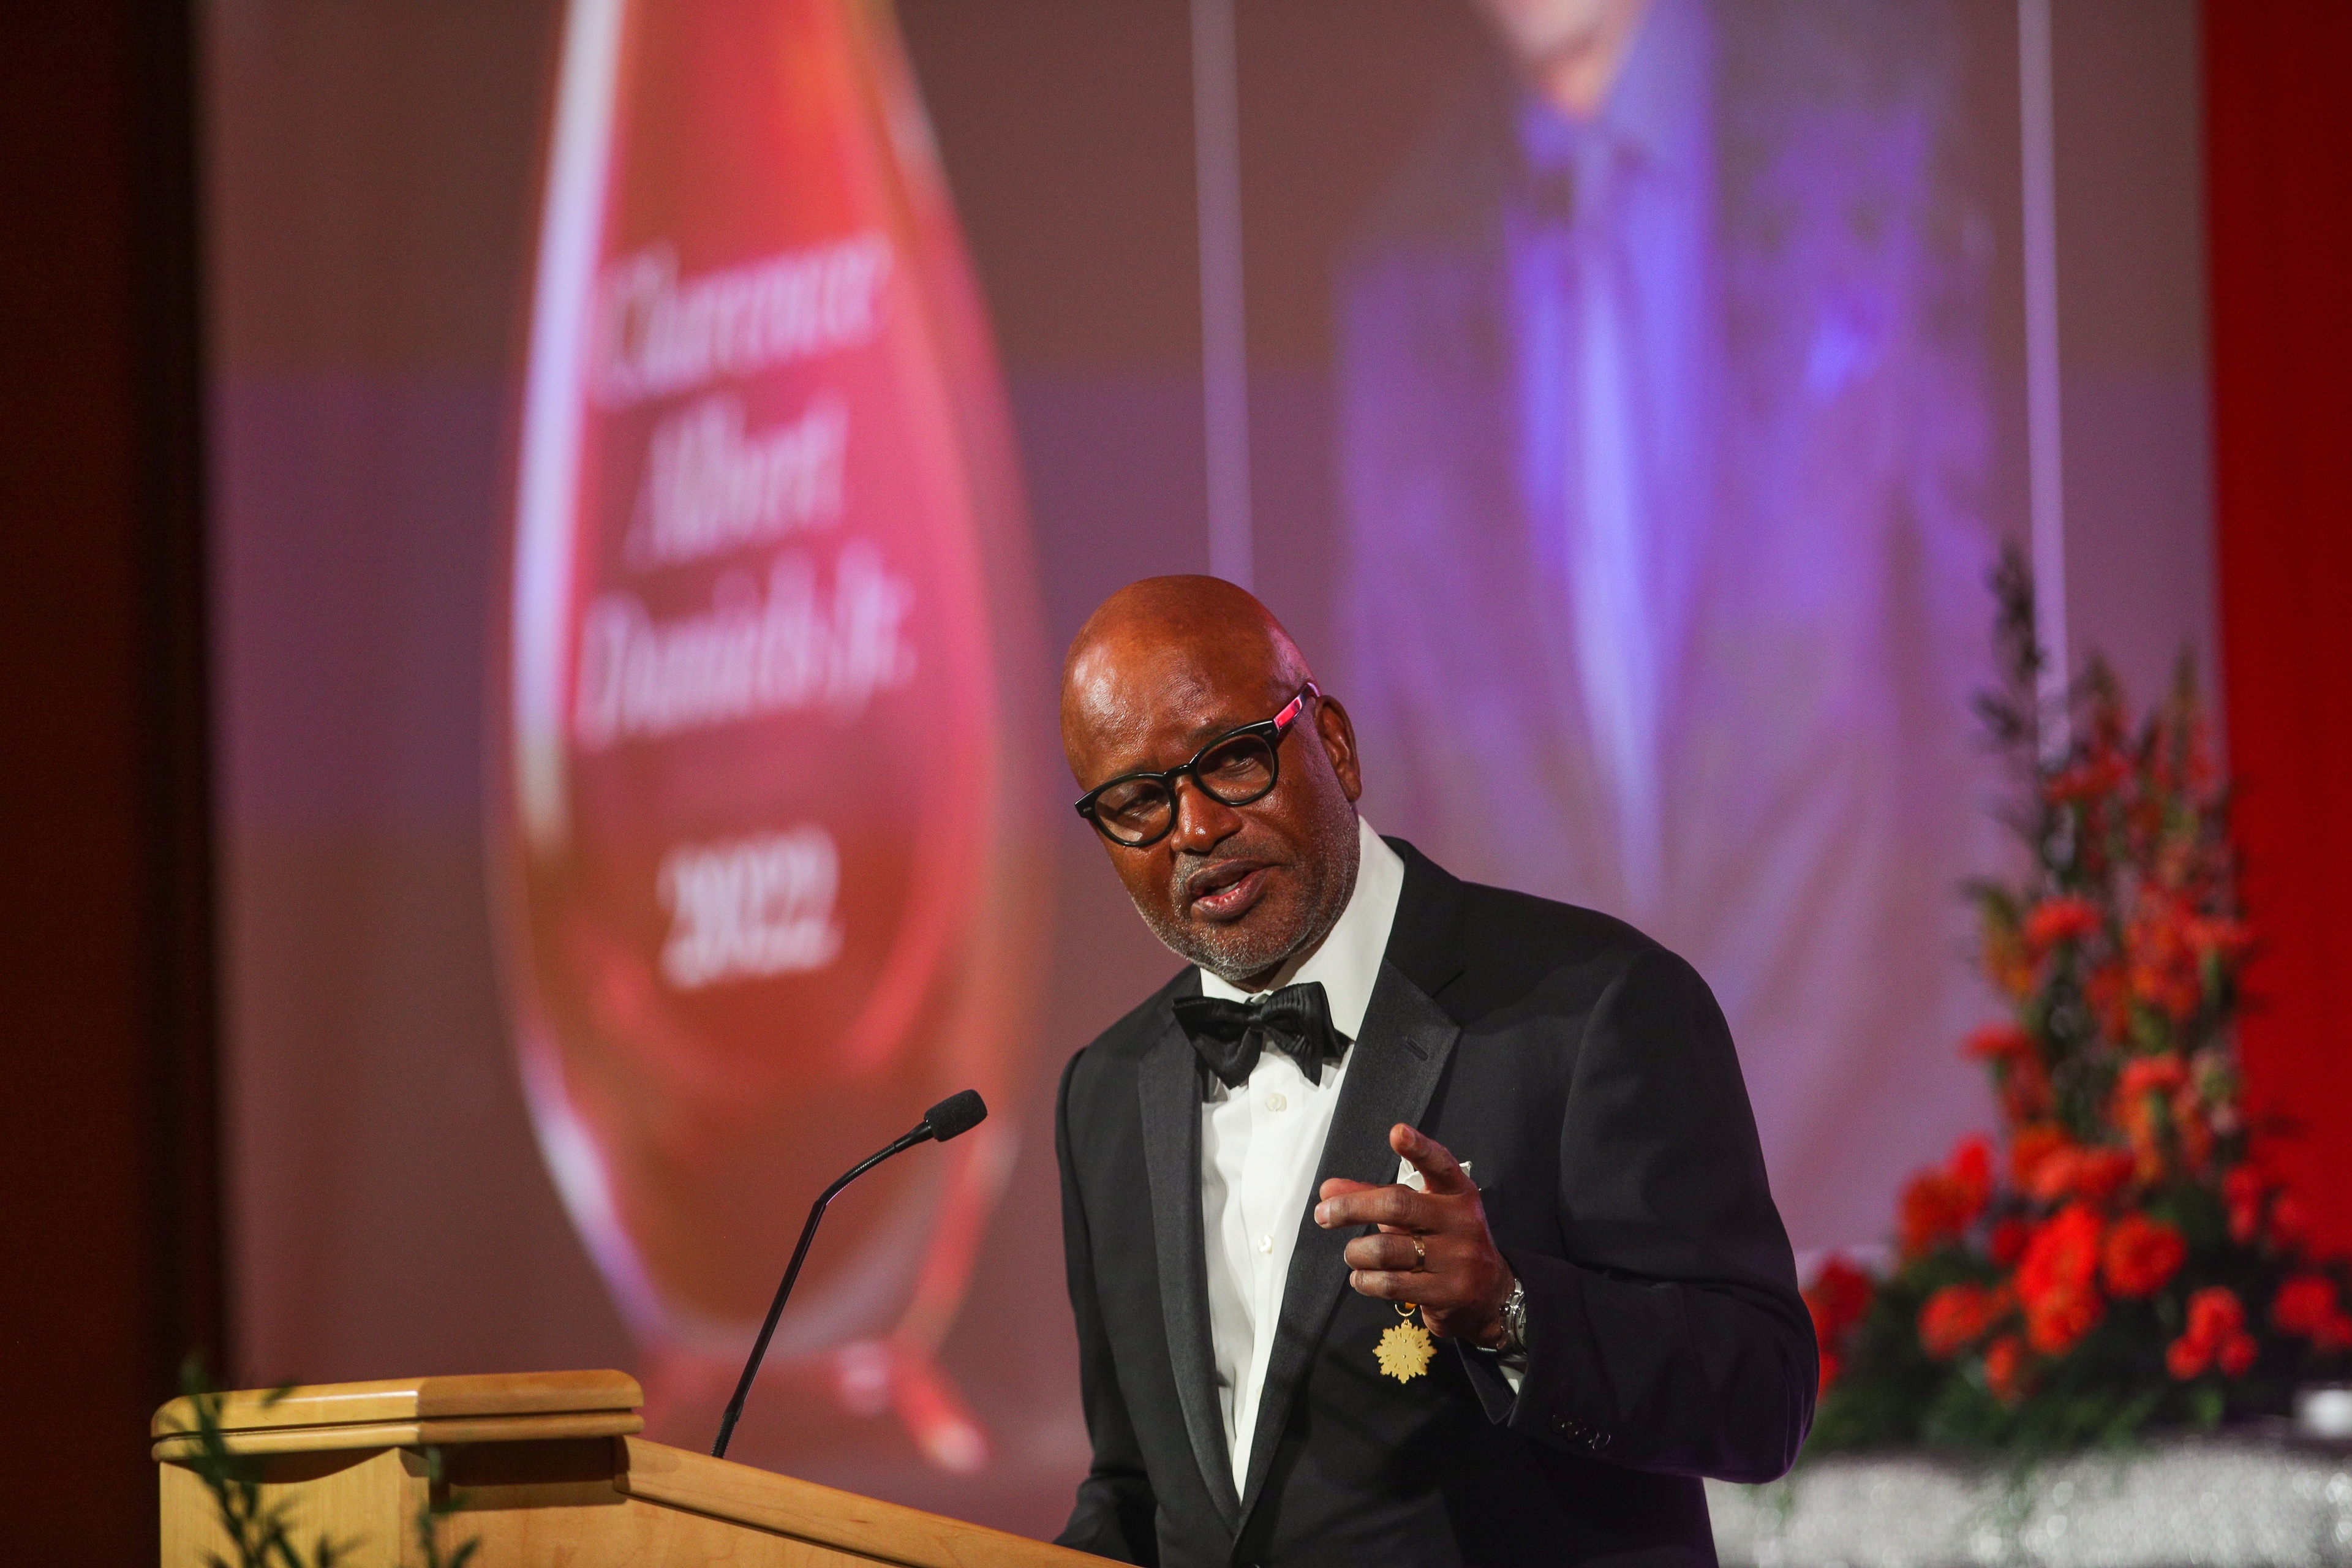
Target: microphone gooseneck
<point>950,1118</point>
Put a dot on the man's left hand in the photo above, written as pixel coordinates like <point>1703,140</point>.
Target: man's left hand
<point>1433,1248</point>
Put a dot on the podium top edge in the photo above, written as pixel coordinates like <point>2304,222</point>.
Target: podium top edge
<point>411,1399</point>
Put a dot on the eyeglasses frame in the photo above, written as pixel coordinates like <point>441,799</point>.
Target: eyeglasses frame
<point>1273,730</point>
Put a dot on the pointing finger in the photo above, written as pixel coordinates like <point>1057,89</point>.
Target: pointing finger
<point>1441,1172</point>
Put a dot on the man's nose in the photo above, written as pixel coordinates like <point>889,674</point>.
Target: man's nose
<point>1202,821</point>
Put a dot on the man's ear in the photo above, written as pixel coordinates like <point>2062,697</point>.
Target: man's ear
<point>1338,734</point>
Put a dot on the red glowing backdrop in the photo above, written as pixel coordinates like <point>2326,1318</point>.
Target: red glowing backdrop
<point>769,863</point>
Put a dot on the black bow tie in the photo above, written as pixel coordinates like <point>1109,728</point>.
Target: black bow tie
<point>1229,1035</point>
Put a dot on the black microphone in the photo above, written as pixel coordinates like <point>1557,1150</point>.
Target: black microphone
<point>951,1117</point>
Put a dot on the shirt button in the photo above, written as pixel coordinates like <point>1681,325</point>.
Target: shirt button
<point>1265,1244</point>
<point>1276,1102</point>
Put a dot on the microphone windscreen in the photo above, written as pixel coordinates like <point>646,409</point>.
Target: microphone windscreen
<point>955,1115</point>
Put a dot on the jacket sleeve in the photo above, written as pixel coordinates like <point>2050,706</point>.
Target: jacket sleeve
<point>1117,1512</point>
<point>1671,1337</point>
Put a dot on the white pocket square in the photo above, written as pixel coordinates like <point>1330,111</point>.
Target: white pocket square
<point>1411,1178</point>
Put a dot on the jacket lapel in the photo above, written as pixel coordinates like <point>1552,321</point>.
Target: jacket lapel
<point>1169,1085</point>
<point>1395,1066</point>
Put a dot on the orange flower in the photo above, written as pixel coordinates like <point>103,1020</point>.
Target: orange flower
<point>2005,1368</point>
<point>2170,945</point>
<point>2141,1254</point>
<point>2057,1280</point>
<point>2192,1128</point>
<point>2054,921</point>
<point>2162,964</point>
<point>2106,991</point>
<point>2145,1076</point>
<point>2140,1107</point>
<point>2074,1171</point>
<point>2028,1146</point>
<point>2008,965</point>
<point>1958,1316</point>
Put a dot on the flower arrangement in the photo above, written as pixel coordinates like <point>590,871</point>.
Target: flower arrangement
<point>2120,1258</point>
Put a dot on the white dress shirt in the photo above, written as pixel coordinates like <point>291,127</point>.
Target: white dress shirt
<point>1260,1145</point>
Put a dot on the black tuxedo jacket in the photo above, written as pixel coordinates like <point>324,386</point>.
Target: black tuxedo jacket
<point>1588,1077</point>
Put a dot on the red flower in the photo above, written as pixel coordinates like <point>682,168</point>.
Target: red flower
<point>2144,1076</point>
<point>2074,1171</point>
<point>1939,1206</point>
<point>2308,1306</point>
<point>2192,1128</point>
<point>2243,1190</point>
<point>1970,1169</point>
<point>2024,1087</point>
<point>2057,1322</point>
<point>1838,1297</point>
<point>2057,1280</point>
<point>2096,775</point>
<point>2171,946</point>
<point>2106,991</point>
<point>2028,1146</point>
<point>2006,1243</point>
<point>2024,1082</point>
<point>2289,1230</point>
<point>1998,1042</point>
<point>2141,1255</point>
<point>1830,1369</point>
<point>2145,1091</point>
<point>2214,1314</point>
<point>2061,920</point>
<point>1958,1316</point>
<point>2005,1368</point>
<point>2302,1303</point>
<point>2216,1336</point>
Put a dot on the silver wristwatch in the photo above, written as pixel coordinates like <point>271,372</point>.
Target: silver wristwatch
<point>1515,1320</point>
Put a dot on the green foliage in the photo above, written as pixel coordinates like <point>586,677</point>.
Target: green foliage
<point>439,1502</point>
<point>261,1533</point>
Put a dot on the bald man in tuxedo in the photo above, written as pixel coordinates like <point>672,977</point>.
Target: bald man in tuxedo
<point>1413,1221</point>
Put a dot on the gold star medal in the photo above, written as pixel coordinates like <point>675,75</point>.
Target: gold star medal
<point>1406,1350</point>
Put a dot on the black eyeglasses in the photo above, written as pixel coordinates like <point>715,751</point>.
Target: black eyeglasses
<point>1137,810</point>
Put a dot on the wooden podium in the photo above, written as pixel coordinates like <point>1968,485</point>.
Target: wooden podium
<point>545,1467</point>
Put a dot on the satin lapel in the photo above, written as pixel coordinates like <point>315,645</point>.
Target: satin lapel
<point>1406,1043</point>
<point>1169,1084</point>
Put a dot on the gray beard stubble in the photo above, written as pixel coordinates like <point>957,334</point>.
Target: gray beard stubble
<point>1231,955</point>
